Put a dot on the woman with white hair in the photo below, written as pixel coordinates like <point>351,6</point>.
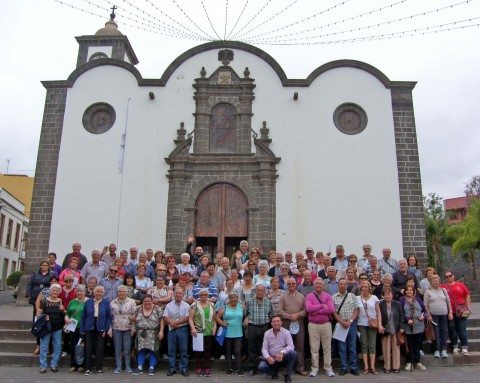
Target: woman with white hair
<point>185,266</point>
<point>122,329</point>
<point>262,277</point>
<point>386,282</point>
<point>53,308</point>
<point>202,320</point>
<point>96,320</point>
<point>75,311</point>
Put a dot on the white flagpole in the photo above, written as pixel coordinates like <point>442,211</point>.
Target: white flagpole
<point>121,160</point>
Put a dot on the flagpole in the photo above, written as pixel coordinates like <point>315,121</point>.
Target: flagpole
<point>121,161</point>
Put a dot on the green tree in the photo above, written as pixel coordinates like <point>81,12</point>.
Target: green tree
<point>435,226</point>
<point>472,189</point>
<point>467,235</point>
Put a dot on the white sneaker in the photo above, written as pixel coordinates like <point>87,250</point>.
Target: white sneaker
<point>444,354</point>
<point>436,354</point>
<point>455,351</point>
<point>222,357</point>
<point>420,366</point>
<point>314,372</point>
<point>408,367</point>
<point>330,372</point>
<point>464,351</point>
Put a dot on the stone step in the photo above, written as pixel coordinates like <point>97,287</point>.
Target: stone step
<point>473,345</point>
<point>18,346</point>
<point>28,360</point>
<point>15,324</point>
<point>16,334</point>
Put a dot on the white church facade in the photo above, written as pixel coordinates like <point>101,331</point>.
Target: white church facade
<point>226,147</point>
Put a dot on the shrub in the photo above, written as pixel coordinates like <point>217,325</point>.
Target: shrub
<point>14,278</point>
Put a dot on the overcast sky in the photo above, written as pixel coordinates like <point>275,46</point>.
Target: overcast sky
<point>37,43</point>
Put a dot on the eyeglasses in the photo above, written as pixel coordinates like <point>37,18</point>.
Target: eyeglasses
<point>291,283</point>
<point>448,276</point>
<point>364,279</point>
<point>114,271</point>
<point>352,260</point>
<point>68,280</point>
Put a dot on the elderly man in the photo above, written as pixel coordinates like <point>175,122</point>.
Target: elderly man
<point>149,271</point>
<point>293,267</point>
<point>387,264</point>
<point>291,308</point>
<point>257,317</point>
<point>340,260</point>
<point>399,278</point>
<point>277,351</point>
<point>110,283</point>
<point>204,283</point>
<point>331,283</point>
<point>307,285</point>
<point>109,254</point>
<point>96,268</point>
<point>275,271</point>
<point>224,271</point>
<point>310,259</point>
<point>289,257</point>
<point>327,261</point>
<point>320,308</point>
<point>346,313</point>
<point>176,317</point>
<point>364,263</point>
<point>82,259</point>
<point>241,255</point>
<point>133,256</point>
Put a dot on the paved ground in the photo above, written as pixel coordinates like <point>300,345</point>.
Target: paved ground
<point>6,296</point>
<point>434,375</point>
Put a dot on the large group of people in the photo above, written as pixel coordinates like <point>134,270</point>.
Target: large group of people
<point>258,311</point>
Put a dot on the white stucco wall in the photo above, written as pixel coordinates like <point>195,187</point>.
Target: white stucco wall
<point>332,188</point>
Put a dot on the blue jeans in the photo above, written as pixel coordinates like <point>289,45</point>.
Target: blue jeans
<point>56,337</point>
<point>440,331</point>
<point>178,338</point>
<point>122,341</point>
<point>350,344</point>
<point>289,361</point>
<point>142,355</point>
<point>457,328</point>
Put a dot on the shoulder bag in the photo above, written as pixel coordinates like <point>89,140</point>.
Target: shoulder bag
<point>372,322</point>
<point>461,311</point>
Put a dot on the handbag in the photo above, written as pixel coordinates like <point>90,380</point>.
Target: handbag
<point>80,352</point>
<point>400,339</point>
<point>220,335</point>
<point>372,322</point>
<point>429,332</point>
<point>461,311</point>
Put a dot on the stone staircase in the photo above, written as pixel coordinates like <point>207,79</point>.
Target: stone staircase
<point>17,344</point>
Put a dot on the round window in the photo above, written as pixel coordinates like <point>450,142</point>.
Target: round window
<point>350,118</point>
<point>98,118</point>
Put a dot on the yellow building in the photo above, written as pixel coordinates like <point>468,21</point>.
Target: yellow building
<point>20,186</point>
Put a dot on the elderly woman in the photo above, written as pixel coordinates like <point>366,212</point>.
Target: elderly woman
<point>142,282</point>
<point>285,273</point>
<point>172,271</point>
<point>275,293</point>
<point>373,266</point>
<point>439,309</point>
<point>352,263</point>
<point>161,295</point>
<point>122,328</point>
<point>262,277</point>
<point>95,323</point>
<point>413,268</point>
<point>202,266</point>
<point>425,283</point>
<point>223,295</point>
<point>72,271</point>
<point>53,308</point>
<point>231,317</point>
<point>386,282</point>
<point>91,284</point>
<point>247,288</point>
<point>74,312</point>
<point>415,314</point>
<point>202,320</point>
<point>121,271</point>
<point>185,266</point>
<point>39,280</point>
<point>149,328</point>
<point>368,335</point>
<point>390,322</point>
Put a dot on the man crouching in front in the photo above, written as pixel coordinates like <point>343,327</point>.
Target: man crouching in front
<point>278,350</point>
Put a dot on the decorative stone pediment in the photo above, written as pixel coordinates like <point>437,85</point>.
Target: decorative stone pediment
<point>224,75</point>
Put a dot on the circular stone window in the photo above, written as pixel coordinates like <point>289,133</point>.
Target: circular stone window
<point>350,118</point>
<point>98,118</point>
<point>97,56</point>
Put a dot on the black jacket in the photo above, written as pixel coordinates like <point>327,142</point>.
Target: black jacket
<point>397,316</point>
<point>36,284</point>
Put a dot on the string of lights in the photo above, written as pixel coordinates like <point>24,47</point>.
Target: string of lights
<point>253,18</point>
<point>226,20</point>
<point>376,25</point>
<point>191,21</point>
<point>444,27</point>
<point>210,21</point>
<point>239,17</point>
<point>272,17</point>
